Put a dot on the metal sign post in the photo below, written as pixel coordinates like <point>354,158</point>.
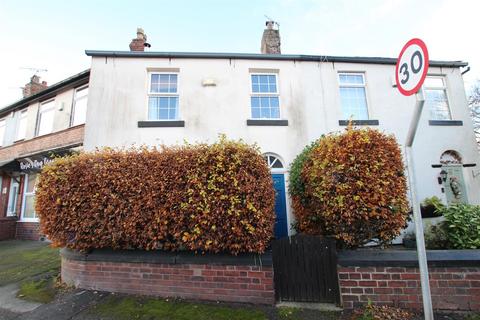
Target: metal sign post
<point>417,216</point>
<point>410,72</point>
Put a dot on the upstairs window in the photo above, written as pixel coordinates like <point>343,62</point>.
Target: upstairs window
<point>79,107</point>
<point>436,100</point>
<point>21,125</point>
<point>45,118</point>
<point>163,96</point>
<point>353,96</point>
<point>3,124</point>
<point>264,98</point>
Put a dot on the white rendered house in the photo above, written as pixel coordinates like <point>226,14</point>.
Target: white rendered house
<point>281,102</point>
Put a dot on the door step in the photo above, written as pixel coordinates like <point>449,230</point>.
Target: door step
<point>309,305</point>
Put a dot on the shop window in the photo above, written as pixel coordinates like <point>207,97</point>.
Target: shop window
<point>12,198</point>
<point>29,198</point>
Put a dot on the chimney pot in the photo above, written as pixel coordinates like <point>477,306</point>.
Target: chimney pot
<point>270,39</point>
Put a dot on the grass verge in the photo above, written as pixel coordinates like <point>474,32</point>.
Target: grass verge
<point>19,261</point>
<point>146,308</point>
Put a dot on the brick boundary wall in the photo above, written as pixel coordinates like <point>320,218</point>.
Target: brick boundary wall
<point>197,280</point>
<point>28,231</point>
<point>394,279</point>
<point>7,227</point>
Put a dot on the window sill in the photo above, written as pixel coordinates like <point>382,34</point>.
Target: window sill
<point>358,122</point>
<point>267,122</point>
<point>35,220</point>
<point>163,124</point>
<point>447,123</point>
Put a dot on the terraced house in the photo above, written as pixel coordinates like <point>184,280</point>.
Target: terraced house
<point>282,102</point>
<point>49,121</point>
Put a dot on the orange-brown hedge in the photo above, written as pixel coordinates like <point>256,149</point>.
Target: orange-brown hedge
<point>351,185</point>
<point>217,197</point>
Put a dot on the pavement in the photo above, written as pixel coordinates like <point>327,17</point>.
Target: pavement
<point>10,302</point>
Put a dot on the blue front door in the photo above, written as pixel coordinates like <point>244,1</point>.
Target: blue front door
<point>280,206</point>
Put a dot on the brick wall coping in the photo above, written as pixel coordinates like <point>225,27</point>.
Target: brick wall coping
<point>164,257</point>
<point>408,258</point>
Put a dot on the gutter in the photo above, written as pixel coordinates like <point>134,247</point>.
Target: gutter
<point>255,56</point>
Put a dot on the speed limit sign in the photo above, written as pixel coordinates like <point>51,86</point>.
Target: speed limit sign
<point>412,67</point>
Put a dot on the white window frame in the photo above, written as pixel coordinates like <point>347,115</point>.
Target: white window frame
<point>163,94</point>
<point>265,94</point>
<point>22,115</point>
<point>3,123</point>
<point>283,169</point>
<point>24,202</point>
<point>74,102</point>
<point>354,85</point>
<point>37,127</point>
<point>15,198</point>
<point>444,88</point>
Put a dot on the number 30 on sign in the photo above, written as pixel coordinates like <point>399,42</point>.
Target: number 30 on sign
<point>412,67</point>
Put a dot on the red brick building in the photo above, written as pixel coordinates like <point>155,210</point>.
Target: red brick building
<point>48,121</point>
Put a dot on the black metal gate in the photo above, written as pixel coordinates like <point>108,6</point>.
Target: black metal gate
<point>305,269</point>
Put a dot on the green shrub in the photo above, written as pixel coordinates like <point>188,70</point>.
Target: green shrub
<point>434,201</point>
<point>463,225</point>
<point>351,186</point>
<point>217,197</point>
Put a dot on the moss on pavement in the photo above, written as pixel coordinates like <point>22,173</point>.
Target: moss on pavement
<point>42,290</point>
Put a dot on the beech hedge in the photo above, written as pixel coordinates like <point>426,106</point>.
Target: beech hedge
<point>350,185</point>
<point>208,198</point>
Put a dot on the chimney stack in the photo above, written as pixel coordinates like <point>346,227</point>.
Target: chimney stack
<point>140,42</point>
<point>271,39</point>
<point>34,86</point>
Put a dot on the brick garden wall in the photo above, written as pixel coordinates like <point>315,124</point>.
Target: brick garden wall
<point>7,227</point>
<point>28,231</point>
<point>198,281</point>
<point>452,287</point>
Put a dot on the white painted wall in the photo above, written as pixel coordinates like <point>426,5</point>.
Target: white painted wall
<point>309,100</point>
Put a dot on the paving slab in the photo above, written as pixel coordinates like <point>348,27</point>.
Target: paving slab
<point>10,302</point>
<point>66,306</point>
